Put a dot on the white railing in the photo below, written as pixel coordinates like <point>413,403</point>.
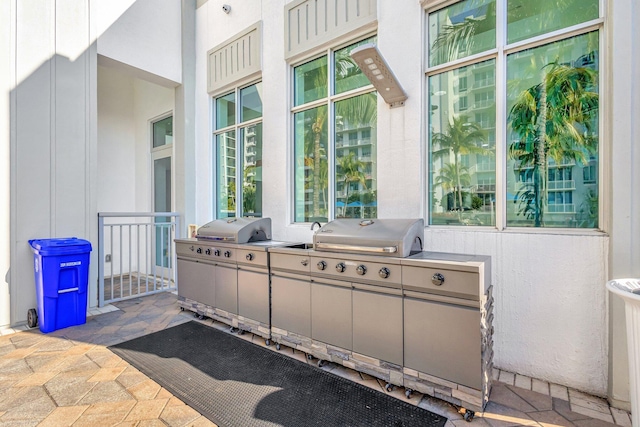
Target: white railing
<point>136,254</point>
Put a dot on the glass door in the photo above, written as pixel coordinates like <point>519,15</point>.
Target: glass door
<point>162,148</point>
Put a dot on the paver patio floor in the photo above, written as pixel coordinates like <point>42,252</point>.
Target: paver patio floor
<point>70,378</point>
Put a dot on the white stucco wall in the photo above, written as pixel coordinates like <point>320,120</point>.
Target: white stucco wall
<point>145,34</point>
<point>551,306</point>
<point>623,42</point>
<point>6,86</point>
<point>116,142</point>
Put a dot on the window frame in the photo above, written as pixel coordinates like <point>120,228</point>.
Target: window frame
<point>329,101</point>
<point>237,127</point>
<point>500,54</point>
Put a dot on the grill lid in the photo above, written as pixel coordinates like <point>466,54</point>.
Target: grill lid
<point>386,237</point>
<point>236,230</point>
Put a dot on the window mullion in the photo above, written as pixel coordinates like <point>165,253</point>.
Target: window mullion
<point>331,155</point>
<point>239,157</point>
<point>500,207</point>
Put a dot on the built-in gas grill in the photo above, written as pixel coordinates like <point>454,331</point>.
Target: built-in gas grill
<point>223,273</point>
<point>367,296</point>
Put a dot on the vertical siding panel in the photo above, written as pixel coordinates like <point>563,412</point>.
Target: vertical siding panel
<point>236,58</point>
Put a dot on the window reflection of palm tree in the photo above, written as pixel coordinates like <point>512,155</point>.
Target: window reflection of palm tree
<point>461,137</point>
<point>450,178</point>
<point>556,119</point>
<point>350,170</point>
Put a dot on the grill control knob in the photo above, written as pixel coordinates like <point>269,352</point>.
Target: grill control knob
<point>199,250</point>
<point>361,270</point>
<point>208,252</point>
<point>249,257</point>
<point>437,279</point>
<point>192,248</point>
<point>384,272</point>
<point>341,267</point>
<point>321,265</point>
<point>216,252</point>
<point>227,254</point>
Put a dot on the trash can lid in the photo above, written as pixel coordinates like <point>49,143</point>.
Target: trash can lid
<point>626,288</point>
<point>60,246</point>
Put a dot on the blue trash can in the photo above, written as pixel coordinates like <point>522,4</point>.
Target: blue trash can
<point>61,269</point>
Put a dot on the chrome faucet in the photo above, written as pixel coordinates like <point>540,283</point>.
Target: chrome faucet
<point>314,223</point>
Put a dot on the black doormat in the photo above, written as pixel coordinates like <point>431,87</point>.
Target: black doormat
<point>235,383</point>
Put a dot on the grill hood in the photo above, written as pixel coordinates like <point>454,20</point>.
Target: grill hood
<point>386,237</point>
<point>236,230</point>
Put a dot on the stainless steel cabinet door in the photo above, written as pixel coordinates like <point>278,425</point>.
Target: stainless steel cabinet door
<point>291,305</point>
<point>377,325</point>
<point>227,288</point>
<point>196,281</point>
<point>331,315</point>
<point>443,340</point>
<point>253,295</point>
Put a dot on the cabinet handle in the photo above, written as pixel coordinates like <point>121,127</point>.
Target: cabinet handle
<point>304,262</point>
<point>437,279</point>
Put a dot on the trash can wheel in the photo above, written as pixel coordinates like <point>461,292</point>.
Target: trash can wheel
<point>32,318</point>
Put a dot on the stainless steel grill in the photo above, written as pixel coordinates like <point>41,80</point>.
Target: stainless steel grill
<point>384,237</point>
<point>236,230</point>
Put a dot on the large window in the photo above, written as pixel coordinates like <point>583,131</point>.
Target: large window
<point>238,152</point>
<point>524,152</point>
<point>334,118</point>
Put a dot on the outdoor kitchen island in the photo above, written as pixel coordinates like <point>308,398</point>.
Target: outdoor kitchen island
<point>374,302</point>
<point>364,295</point>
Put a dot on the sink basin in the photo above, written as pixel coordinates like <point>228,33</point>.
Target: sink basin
<point>301,246</point>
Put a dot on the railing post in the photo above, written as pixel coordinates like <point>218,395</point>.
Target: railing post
<point>100,261</point>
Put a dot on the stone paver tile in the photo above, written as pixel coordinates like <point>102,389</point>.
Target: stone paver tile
<point>550,419</point>
<point>109,391</point>
<point>179,415</point>
<point>563,408</point>
<point>501,416</point>
<point>26,340</point>
<point>174,401</point>
<point>68,389</point>
<point>53,344</point>
<point>33,403</point>
<point>477,422</point>
<point>146,390</point>
<point>503,395</point>
<point>76,364</point>
<point>94,420</point>
<point>130,377</point>
<point>20,353</point>
<point>593,422</point>
<point>621,417</point>
<point>586,401</point>
<point>164,394</point>
<point>9,368</point>
<point>36,379</point>
<point>147,410</point>
<point>507,377</point>
<point>63,416</point>
<point>46,361</point>
<point>523,381</point>
<point>107,374</point>
<point>201,422</point>
<point>79,349</point>
<point>539,401</point>
<point>151,423</point>
<point>540,386</point>
<point>559,391</point>
<point>104,358</point>
<point>593,413</point>
<point>128,424</point>
<point>111,407</point>
<point>440,407</point>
